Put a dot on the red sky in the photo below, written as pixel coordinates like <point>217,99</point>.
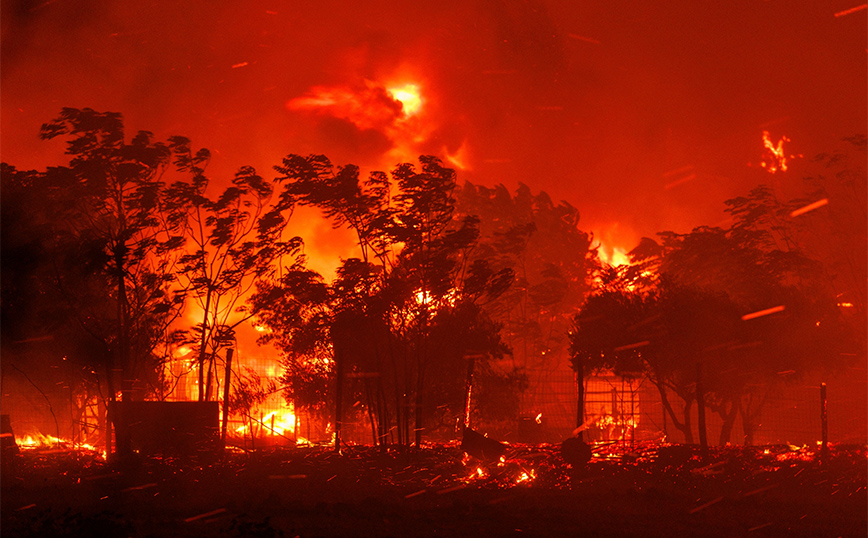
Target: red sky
<point>603,103</point>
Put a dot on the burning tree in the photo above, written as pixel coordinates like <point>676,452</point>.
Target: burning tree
<point>727,300</point>
<point>388,321</point>
<point>231,241</point>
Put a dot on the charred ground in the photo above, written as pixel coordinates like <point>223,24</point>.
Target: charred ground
<point>654,490</point>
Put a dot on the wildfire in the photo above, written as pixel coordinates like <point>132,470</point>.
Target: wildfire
<point>614,256</point>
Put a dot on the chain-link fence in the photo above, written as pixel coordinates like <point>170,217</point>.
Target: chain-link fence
<point>619,409</point>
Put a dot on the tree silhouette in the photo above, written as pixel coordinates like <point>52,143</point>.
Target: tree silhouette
<point>376,321</point>
<point>695,307</point>
<point>231,242</point>
<point>111,207</point>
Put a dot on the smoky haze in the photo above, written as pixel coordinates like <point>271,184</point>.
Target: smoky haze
<point>644,116</point>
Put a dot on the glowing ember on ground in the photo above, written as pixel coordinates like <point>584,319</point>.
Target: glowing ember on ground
<point>38,441</point>
<point>526,476</point>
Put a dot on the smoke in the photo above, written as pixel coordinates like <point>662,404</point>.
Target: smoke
<point>594,102</point>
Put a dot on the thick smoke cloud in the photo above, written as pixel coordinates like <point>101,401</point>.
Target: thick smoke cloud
<point>599,103</point>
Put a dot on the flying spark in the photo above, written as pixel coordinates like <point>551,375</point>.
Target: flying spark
<point>677,182</point>
<point>761,313</point>
<point>632,346</point>
<point>678,171</point>
<point>809,207</point>
<point>582,38</point>
<point>851,10</point>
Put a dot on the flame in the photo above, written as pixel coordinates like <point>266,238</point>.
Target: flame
<point>777,159</point>
<point>606,421</point>
<point>423,298</point>
<point>36,441</point>
<point>614,256</point>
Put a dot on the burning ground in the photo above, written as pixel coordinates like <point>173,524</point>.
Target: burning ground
<point>651,490</point>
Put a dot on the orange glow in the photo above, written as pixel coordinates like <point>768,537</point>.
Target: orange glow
<point>279,423</point>
<point>460,158</point>
<point>409,97</point>
<point>396,106</point>
<point>369,107</point>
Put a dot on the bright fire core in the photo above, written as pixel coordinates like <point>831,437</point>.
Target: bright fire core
<point>408,96</point>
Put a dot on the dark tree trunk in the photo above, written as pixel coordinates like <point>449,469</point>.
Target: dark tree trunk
<point>700,408</point>
<point>339,395</point>
<point>683,427</point>
<point>123,443</point>
<point>371,410</point>
<point>688,429</point>
<point>728,416</point>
